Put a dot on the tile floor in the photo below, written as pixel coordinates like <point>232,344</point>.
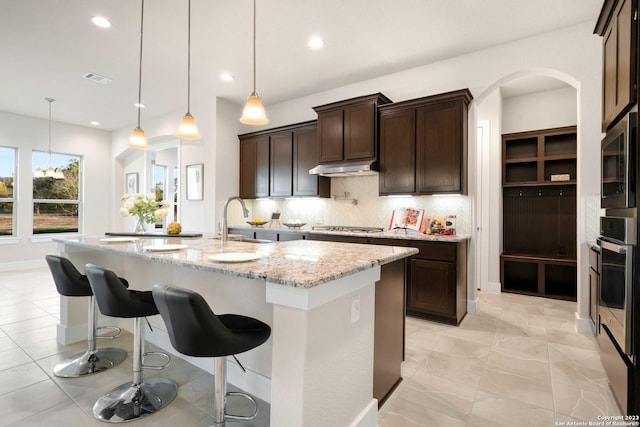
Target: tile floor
<point>516,363</point>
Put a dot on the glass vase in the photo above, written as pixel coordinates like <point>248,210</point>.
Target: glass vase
<point>141,227</point>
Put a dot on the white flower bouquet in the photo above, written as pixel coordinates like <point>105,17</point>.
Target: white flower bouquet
<point>144,207</point>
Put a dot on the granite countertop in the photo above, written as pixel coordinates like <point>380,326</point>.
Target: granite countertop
<point>298,263</point>
<point>387,234</point>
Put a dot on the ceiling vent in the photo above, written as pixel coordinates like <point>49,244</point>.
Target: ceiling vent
<point>98,78</point>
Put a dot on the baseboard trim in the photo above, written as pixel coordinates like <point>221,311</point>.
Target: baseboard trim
<point>492,288</point>
<point>69,335</point>
<point>473,306</point>
<point>368,417</point>
<point>583,326</point>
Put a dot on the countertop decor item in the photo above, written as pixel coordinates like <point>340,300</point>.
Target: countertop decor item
<point>145,208</point>
<point>295,224</point>
<point>257,223</point>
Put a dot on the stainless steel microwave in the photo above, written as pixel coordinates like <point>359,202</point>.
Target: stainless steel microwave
<point>618,164</point>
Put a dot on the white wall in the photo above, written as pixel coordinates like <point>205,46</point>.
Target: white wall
<point>93,145</point>
<point>541,110</point>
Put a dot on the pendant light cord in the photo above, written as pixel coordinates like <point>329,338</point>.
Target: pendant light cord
<point>140,64</point>
<point>254,47</point>
<point>189,60</point>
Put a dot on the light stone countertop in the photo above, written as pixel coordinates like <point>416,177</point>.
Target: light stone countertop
<point>387,234</point>
<point>298,263</point>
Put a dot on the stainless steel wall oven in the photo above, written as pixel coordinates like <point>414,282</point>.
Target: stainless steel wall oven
<point>617,243</point>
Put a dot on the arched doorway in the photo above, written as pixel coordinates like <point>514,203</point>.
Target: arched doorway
<point>522,101</point>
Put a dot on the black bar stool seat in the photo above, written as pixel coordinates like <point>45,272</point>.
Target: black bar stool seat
<point>195,330</point>
<point>142,397</point>
<point>71,283</point>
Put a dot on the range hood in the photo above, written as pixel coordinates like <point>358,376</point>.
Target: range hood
<point>351,168</point>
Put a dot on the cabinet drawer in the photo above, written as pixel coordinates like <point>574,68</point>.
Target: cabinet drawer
<point>437,251</point>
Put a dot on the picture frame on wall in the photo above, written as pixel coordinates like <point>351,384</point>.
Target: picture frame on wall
<point>195,181</point>
<point>131,183</point>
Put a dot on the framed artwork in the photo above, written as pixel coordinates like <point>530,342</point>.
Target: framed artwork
<point>131,183</point>
<point>195,182</point>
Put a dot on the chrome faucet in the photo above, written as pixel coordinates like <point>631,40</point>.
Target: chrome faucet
<point>245,211</point>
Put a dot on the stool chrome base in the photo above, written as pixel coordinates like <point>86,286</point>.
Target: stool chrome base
<point>131,401</point>
<point>89,362</point>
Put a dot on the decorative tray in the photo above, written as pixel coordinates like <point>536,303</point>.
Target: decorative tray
<point>297,225</point>
<point>257,223</point>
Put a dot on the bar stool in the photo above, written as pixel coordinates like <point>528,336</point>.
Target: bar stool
<point>139,398</point>
<point>195,330</point>
<point>71,283</point>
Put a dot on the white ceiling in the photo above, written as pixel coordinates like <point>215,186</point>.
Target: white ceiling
<point>47,45</point>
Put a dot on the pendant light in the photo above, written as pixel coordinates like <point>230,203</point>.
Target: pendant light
<point>253,112</point>
<point>188,128</point>
<point>137,139</point>
<point>50,172</point>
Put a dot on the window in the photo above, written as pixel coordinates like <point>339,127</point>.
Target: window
<point>56,201</point>
<point>160,183</point>
<point>7,198</point>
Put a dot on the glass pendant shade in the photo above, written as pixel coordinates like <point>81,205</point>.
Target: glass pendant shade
<point>188,128</point>
<point>50,172</point>
<point>137,139</point>
<point>59,174</point>
<point>39,173</point>
<point>253,112</point>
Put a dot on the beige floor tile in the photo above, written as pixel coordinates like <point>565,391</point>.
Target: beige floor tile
<point>461,369</point>
<point>439,394</point>
<point>495,411</point>
<point>13,357</point>
<point>28,401</point>
<point>532,390</point>
<point>525,348</point>
<point>583,404</point>
<point>404,413</point>
<point>67,414</point>
<point>20,376</point>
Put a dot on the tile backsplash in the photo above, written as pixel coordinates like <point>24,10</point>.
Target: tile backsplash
<point>355,202</point>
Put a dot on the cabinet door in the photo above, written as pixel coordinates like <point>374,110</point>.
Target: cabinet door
<point>398,152</point>
<point>432,288</point>
<point>254,167</point>
<point>262,166</point>
<point>247,169</point>
<point>440,148</point>
<point>330,136</point>
<point>305,157</point>
<point>359,132</point>
<point>618,64</point>
<point>281,164</point>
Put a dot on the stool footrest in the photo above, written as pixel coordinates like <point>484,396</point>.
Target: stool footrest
<point>156,353</point>
<point>117,330</point>
<point>242,417</point>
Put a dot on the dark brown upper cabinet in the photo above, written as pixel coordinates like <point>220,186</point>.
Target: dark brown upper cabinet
<point>305,157</point>
<point>276,163</point>
<point>254,167</point>
<point>281,168</point>
<point>347,130</point>
<point>423,145</point>
<point>617,26</point>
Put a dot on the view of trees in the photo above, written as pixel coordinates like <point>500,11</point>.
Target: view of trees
<point>62,189</point>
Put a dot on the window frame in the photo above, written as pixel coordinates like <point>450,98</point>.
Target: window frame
<point>13,200</point>
<point>78,201</point>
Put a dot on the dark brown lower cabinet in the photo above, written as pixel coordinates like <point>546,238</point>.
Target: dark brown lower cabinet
<point>437,282</point>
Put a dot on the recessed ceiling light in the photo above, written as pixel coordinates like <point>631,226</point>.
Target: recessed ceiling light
<point>95,123</point>
<point>138,105</point>
<point>315,42</point>
<point>227,77</point>
<point>101,21</point>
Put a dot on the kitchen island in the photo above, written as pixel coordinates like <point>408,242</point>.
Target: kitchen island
<point>318,297</point>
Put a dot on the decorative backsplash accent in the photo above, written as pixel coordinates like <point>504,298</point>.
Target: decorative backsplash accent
<point>355,202</point>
